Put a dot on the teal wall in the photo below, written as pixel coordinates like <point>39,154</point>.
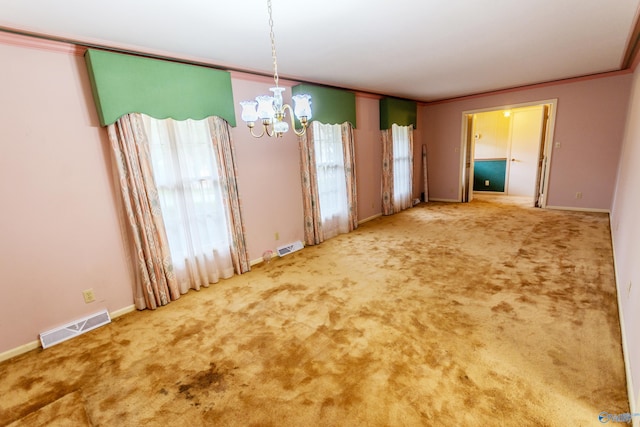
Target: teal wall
<point>493,170</point>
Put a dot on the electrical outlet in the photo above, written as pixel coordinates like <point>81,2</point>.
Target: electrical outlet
<point>579,195</point>
<point>486,182</point>
<point>277,235</point>
<point>88,295</point>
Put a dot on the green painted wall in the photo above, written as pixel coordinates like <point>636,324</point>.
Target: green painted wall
<point>125,84</point>
<point>328,105</point>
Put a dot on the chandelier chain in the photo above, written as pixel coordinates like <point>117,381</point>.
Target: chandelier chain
<point>273,44</point>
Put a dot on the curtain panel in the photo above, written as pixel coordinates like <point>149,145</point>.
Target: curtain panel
<point>311,207</point>
<point>348,145</point>
<point>190,159</point>
<point>387,172</point>
<point>156,284</point>
<point>403,167</point>
<point>226,158</point>
<point>397,168</point>
<point>324,179</point>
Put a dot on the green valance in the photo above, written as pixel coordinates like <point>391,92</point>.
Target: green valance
<point>125,84</point>
<point>398,111</point>
<point>328,105</point>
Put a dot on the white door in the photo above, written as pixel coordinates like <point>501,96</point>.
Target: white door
<point>526,135</point>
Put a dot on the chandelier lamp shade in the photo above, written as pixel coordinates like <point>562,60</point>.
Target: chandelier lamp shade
<point>271,109</point>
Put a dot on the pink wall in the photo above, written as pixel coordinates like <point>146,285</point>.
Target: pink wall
<point>269,170</point>
<point>60,231</point>
<point>59,228</point>
<point>368,148</point>
<point>268,175</point>
<point>589,126</point>
<point>626,235</point>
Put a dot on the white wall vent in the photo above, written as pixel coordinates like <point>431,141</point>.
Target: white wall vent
<point>73,329</point>
<point>292,247</point>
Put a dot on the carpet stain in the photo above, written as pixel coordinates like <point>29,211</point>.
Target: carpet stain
<point>443,315</point>
<point>503,307</point>
<point>202,383</point>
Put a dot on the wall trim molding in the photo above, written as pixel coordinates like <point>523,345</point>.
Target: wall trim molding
<point>34,345</point>
<point>9,354</point>
<point>20,40</point>
<point>433,199</point>
<point>633,405</point>
<point>533,86</point>
<point>576,209</point>
<point>259,260</point>
<point>121,312</point>
<point>371,218</point>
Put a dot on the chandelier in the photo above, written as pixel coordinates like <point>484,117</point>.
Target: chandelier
<point>271,109</point>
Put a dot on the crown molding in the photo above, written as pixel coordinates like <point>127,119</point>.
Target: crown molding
<point>34,42</point>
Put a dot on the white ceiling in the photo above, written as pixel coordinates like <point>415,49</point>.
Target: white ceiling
<point>419,49</point>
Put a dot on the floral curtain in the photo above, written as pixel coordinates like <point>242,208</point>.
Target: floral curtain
<point>397,169</point>
<point>311,207</point>
<point>387,172</point>
<point>178,181</point>
<point>226,161</point>
<point>156,285</point>
<point>328,181</point>
<point>350,173</point>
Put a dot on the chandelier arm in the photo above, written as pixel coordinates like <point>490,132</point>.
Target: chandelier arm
<point>293,123</point>
<point>266,130</point>
<point>254,135</point>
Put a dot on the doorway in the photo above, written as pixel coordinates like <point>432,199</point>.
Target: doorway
<point>506,151</point>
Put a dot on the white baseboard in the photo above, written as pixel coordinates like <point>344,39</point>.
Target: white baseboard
<point>371,218</point>
<point>634,410</point>
<point>570,208</point>
<point>19,350</point>
<point>274,255</point>
<point>431,199</point>
<point>633,405</point>
<point>257,261</point>
<point>117,313</point>
<point>33,345</point>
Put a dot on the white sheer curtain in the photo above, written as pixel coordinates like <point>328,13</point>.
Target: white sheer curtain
<point>186,175</point>
<point>402,167</point>
<point>332,185</point>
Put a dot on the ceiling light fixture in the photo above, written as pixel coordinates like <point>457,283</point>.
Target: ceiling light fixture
<point>271,109</point>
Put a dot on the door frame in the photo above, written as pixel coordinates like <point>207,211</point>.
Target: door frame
<point>467,147</point>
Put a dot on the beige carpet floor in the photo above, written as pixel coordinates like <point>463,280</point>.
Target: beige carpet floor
<point>479,314</point>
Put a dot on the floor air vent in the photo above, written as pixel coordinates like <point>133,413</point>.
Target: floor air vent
<point>292,247</point>
<point>73,329</point>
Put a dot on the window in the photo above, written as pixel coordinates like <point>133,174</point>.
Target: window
<point>402,167</point>
<point>331,178</point>
<point>191,200</point>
